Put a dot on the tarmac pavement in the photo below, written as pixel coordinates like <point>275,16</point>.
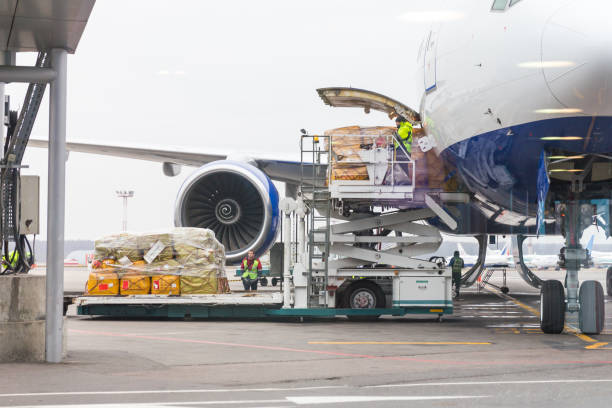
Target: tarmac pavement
<point>489,353</point>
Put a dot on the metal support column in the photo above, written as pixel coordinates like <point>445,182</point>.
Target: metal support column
<point>7,58</point>
<point>574,254</point>
<point>287,206</point>
<point>56,209</point>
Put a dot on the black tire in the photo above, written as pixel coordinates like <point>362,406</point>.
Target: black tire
<point>364,294</point>
<point>505,290</point>
<point>592,307</point>
<point>263,281</point>
<point>275,281</point>
<point>609,281</point>
<point>552,307</point>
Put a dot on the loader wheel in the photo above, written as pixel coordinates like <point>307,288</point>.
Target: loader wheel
<point>552,307</point>
<point>364,294</point>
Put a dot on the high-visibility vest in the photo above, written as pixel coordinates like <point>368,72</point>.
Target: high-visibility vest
<point>250,273</point>
<point>457,265</point>
<point>405,134</point>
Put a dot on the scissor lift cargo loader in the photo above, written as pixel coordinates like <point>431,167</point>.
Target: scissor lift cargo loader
<point>355,252</point>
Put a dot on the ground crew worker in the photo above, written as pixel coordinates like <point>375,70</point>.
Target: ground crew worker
<point>456,263</point>
<point>402,154</point>
<point>250,271</point>
<point>404,131</point>
<point>13,259</point>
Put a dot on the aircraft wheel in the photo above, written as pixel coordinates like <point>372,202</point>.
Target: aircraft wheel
<point>609,281</point>
<point>364,294</point>
<point>552,307</point>
<point>592,308</point>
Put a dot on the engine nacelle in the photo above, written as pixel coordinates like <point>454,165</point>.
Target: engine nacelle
<point>235,200</point>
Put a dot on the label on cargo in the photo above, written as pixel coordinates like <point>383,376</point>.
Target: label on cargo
<point>125,284</point>
<point>154,251</point>
<point>103,286</point>
<point>155,284</point>
<point>125,261</point>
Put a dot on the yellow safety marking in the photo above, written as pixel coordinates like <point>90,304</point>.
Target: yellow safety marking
<point>536,312</point>
<point>595,346</point>
<point>417,343</point>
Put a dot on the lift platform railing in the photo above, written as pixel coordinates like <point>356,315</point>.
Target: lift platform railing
<point>364,160</point>
<point>314,188</point>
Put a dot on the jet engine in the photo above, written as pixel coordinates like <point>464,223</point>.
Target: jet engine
<point>235,200</point>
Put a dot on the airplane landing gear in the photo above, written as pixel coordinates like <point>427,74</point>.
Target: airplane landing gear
<point>552,307</point>
<point>592,312</point>
<point>588,303</point>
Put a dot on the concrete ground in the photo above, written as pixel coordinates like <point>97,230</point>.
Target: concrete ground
<point>489,353</point>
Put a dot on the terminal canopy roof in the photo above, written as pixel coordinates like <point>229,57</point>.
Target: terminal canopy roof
<point>353,97</point>
<point>40,25</point>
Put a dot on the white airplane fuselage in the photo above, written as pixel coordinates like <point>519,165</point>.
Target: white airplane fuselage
<point>500,87</point>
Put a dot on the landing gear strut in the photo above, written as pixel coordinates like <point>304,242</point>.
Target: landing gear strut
<point>587,305</point>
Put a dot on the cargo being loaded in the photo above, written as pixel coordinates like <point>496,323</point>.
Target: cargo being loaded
<point>356,236</point>
<point>184,261</point>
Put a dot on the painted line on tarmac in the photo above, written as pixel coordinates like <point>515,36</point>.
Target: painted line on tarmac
<point>335,399</point>
<point>509,382</point>
<point>568,328</point>
<point>415,343</point>
<point>272,348</point>
<point>157,404</point>
<point>340,354</point>
<point>191,391</point>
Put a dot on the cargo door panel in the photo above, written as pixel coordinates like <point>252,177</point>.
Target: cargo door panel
<point>368,100</point>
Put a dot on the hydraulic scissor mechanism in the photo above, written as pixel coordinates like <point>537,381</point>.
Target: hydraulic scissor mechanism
<point>421,239</point>
<point>582,302</point>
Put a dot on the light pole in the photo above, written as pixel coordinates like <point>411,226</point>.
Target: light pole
<point>125,194</point>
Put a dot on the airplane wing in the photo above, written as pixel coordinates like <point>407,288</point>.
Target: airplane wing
<point>279,170</point>
<point>142,153</point>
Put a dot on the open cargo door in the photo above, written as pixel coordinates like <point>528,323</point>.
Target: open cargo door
<point>360,98</point>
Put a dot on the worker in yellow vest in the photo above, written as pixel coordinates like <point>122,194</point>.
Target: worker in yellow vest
<point>402,153</point>
<point>13,259</point>
<point>456,264</point>
<point>404,131</point>
<point>251,268</point>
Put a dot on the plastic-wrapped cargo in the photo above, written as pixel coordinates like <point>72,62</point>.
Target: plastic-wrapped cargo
<point>347,142</point>
<point>190,254</point>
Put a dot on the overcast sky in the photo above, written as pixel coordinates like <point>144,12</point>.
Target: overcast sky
<point>221,76</point>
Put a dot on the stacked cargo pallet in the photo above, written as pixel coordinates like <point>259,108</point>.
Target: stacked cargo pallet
<point>184,261</point>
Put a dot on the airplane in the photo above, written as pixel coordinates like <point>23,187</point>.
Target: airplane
<point>78,258</point>
<point>539,261</point>
<point>495,258</point>
<point>515,105</point>
<point>599,259</point>
<point>468,260</point>
<point>500,258</point>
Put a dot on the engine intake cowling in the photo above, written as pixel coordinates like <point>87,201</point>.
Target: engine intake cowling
<point>235,200</point>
